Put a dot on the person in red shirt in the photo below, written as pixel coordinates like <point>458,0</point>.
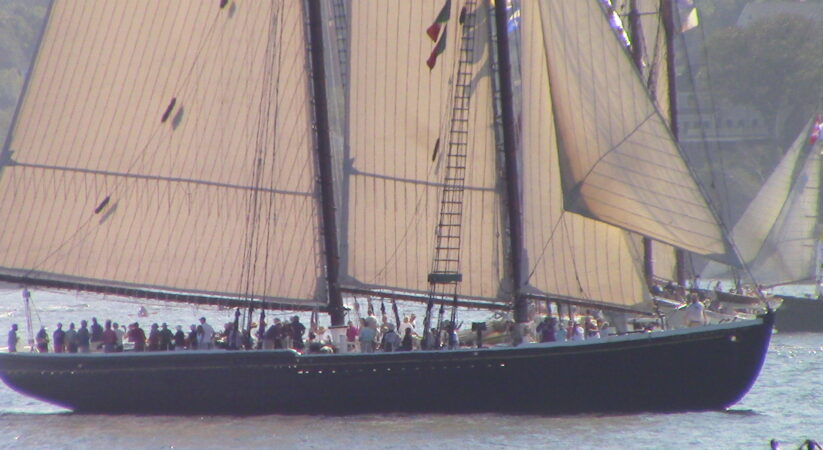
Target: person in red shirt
<point>109,338</point>
<point>137,336</point>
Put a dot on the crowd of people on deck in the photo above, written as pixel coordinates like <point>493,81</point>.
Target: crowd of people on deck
<point>551,330</point>
<point>111,337</point>
<point>368,336</point>
<point>697,303</point>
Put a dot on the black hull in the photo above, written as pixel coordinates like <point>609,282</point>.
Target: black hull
<point>703,368</point>
<point>798,314</point>
<point>739,299</point>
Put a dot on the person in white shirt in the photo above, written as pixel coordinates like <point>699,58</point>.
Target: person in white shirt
<point>403,326</point>
<point>118,333</point>
<point>695,315</point>
<point>207,338</point>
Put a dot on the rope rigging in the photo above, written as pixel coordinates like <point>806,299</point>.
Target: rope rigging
<point>263,156</point>
<point>445,276</point>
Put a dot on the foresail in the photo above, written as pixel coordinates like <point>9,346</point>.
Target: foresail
<point>652,38</point>
<point>655,76</point>
<point>167,146</point>
<point>568,255</point>
<point>399,114</point>
<point>778,233</point>
<point>619,163</point>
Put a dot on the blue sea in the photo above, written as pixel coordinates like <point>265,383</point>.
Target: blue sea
<point>786,403</point>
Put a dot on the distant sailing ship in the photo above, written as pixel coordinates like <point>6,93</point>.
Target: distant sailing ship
<point>779,234</point>
<point>189,151</point>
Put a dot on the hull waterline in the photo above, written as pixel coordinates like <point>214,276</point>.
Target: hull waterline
<point>682,370</point>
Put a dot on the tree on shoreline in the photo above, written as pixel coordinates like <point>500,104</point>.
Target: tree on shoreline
<point>20,25</point>
<point>774,65</point>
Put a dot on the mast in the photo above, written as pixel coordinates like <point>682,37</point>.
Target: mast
<point>27,308</point>
<point>637,56</point>
<point>512,177</point>
<point>336,310</point>
<point>667,12</point>
<point>636,35</point>
<point>340,12</point>
<point>818,230</point>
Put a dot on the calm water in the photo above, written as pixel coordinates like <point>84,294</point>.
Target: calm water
<point>786,403</point>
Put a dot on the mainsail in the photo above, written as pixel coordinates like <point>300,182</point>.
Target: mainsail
<point>399,123</point>
<point>779,233</point>
<point>166,146</point>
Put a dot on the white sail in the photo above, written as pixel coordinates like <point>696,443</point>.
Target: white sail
<point>655,70</point>
<point>778,234</point>
<point>619,162</point>
<point>568,254</point>
<point>398,109</point>
<point>655,75</point>
<point>217,198</point>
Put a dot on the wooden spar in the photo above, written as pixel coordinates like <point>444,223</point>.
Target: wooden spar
<point>818,272</point>
<point>422,298</point>
<point>668,25</point>
<point>667,14</point>
<point>637,49</point>
<point>169,296</point>
<point>321,118</point>
<point>512,178</point>
<point>636,35</point>
<point>569,301</point>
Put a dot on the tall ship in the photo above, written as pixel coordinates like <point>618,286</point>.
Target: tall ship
<point>779,234</point>
<point>295,155</point>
